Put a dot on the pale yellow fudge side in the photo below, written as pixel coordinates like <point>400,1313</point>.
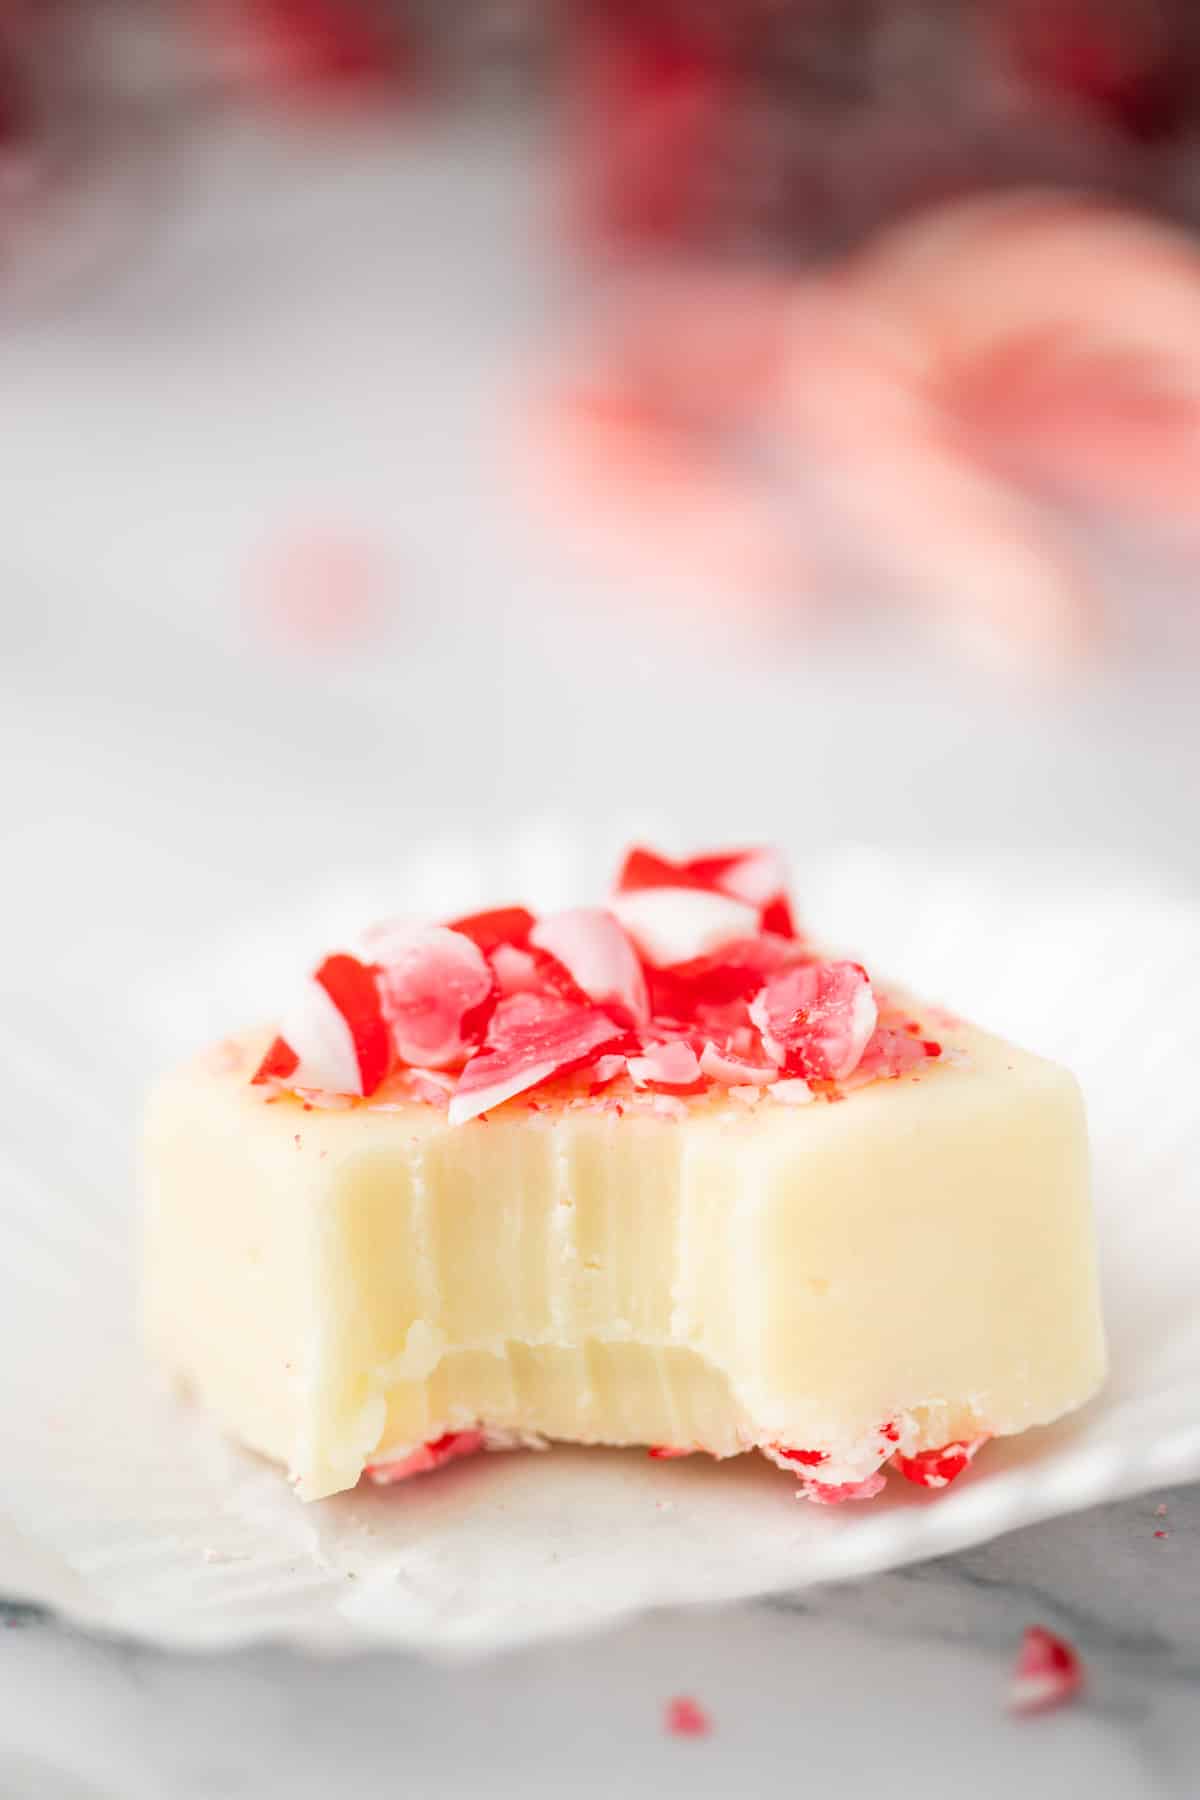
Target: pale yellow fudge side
<point>337,1284</point>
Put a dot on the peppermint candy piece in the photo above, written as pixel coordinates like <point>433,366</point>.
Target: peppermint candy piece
<point>816,1019</point>
<point>530,1038</point>
<point>691,992</point>
<point>665,1065</point>
<point>823,1493</point>
<point>1048,1672</point>
<point>501,925</point>
<point>438,1451</point>
<point>735,1071</point>
<point>792,1091</point>
<point>334,1036</point>
<point>431,978</point>
<point>591,946</point>
<point>938,1468</point>
<point>516,970</point>
<point>672,925</point>
<point>890,1053</point>
<point>758,876</point>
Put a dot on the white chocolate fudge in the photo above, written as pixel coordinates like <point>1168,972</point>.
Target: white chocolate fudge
<point>858,1240</point>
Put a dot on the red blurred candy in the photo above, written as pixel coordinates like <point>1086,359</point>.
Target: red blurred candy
<point>310,44</point>
<point>433,1455</point>
<point>890,1053</point>
<point>838,1493</point>
<point>1048,1672</point>
<point>279,1062</point>
<point>686,1719</point>
<point>502,925</point>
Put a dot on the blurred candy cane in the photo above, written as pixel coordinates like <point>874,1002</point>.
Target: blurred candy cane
<point>940,390</point>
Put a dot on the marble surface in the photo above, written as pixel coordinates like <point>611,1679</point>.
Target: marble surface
<point>896,1684</point>
<point>176,416</point>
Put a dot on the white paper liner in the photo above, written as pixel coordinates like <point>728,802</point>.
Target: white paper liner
<point>124,1508</point>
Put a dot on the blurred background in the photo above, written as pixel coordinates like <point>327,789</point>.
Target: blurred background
<point>764,419</point>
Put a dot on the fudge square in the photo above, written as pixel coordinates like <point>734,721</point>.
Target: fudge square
<point>659,1173</point>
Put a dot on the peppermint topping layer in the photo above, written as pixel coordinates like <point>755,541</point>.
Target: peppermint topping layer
<point>692,978</point>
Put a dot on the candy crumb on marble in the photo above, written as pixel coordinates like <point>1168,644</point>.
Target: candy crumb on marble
<point>1048,1672</point>
<point>685,1718</point>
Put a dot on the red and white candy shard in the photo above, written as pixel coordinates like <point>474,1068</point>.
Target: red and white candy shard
<point>686,1719</point>
<point>591,945</point>
<point>1048,1672</point>
<point>816,1019</point>
<point>671,925</point>
<point>530,1038</point>
<point>334,1033</point>
<point>430,980</point>
<point>448,1448</point>
<point>735,1071</point>
<point>502,925</point>
<point>890,1053</point>
<point>516,971</point>
<point>838,1493</point>
<point>758,877</point>
<point>938,1468</point>
<point>673,1064</point>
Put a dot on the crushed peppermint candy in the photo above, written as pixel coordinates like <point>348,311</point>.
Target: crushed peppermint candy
<point>685,1718</point>
<point>1048,1672</point>
<point>425,1458</point>
<point>938,1468</point>
<point>691,979</point>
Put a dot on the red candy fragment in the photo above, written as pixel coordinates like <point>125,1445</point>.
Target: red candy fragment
<point>1048,1672</point>
<point>334,1034</point>
<point>279,1062</point>
<point>671,925</point>
<point>938,1468</point>
<point>809,1459</point>
<point>734,973</point>
<point>516,970</point>
<point>665,1065</point>
<point>816,1018</point>
<point>530,1038</point>
<point>686,1719</point>
<point>502,925</point>
<point>757,877</point>
<point>890,1053</point>
<point>646,869</point>
<point>837,1494</point>
<point>591,946</point>
<point>667,1452</point>
<point>432,979</point>
<point>735,1071</point>
<point>448,1448</point>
